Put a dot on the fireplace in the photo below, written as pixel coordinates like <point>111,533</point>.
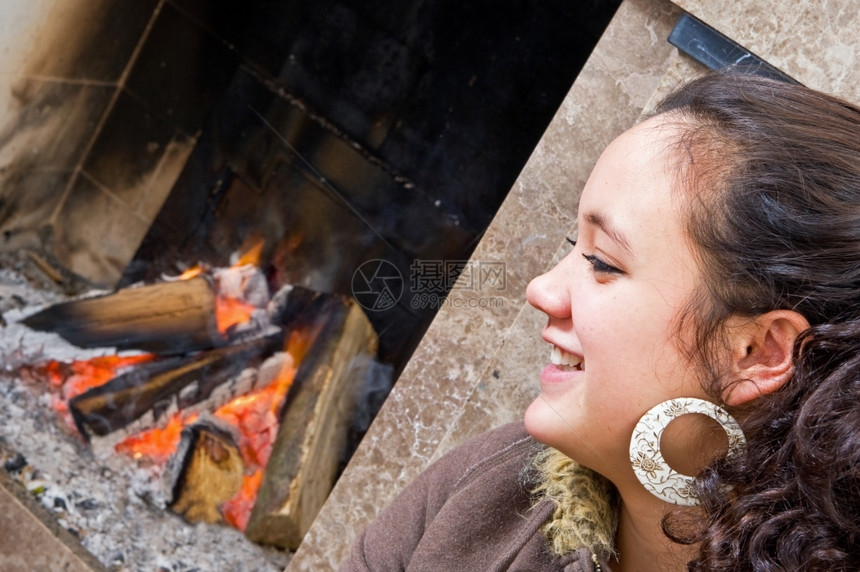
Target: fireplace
<point>364,146</point>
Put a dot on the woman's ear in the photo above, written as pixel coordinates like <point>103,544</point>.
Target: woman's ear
<point>762,354</point>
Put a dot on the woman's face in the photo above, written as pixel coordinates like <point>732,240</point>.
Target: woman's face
<point>612,306</point>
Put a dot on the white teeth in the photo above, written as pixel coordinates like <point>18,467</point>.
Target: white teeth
<point>560,357</point>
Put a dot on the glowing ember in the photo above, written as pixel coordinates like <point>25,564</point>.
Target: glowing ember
<point>156,444</point>
<point>74,378</point>
<point>86,374</point>
<point>254,417</point>
<point>233,306</point>
<point>230,312</point>
<point>69,380</point>
<point>237,511</point>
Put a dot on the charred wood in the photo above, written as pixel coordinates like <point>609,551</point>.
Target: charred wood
<point>167,318</point>
<point>158,384</point>
<point>204,472</point>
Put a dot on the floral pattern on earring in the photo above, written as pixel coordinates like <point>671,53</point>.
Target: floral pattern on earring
<point>647,460</point>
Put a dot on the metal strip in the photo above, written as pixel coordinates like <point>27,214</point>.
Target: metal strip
<point>711,48</point>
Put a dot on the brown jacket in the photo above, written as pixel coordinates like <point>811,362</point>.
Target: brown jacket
<point>471,510</point>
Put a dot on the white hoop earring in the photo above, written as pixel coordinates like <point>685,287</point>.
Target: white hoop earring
<point>648,463</point>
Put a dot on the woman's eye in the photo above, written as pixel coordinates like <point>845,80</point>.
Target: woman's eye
<point>600,266</point>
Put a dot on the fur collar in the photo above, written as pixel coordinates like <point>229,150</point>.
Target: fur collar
<point>586,505</point>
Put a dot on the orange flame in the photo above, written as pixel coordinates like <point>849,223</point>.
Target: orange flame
<point>230,311</point>
<point>299,342</point>
<point>192,272</point>
<point>251,254</point>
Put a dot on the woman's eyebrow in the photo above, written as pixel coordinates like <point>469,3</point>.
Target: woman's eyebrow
<point>604,224</point>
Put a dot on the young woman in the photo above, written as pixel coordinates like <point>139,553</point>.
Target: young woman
<point>706,322</point>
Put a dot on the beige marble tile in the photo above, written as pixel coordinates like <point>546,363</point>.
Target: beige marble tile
<point>477,359</point>
<point>814,42</point>
<point>682,69</point>
<point>511,380</point>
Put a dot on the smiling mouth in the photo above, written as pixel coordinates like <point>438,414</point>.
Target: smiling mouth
<point>565,360</point>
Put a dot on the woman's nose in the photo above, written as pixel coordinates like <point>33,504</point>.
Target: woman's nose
<point>549,293</point>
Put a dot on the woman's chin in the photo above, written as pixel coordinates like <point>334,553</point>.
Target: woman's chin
<point>545,424</point>
<point>542,422</point>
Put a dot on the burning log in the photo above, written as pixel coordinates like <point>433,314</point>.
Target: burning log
<point>271,470</point>
<point>204,472</point>
<point>158,384</point>
<point>168,318</point>
<point>315,418</point>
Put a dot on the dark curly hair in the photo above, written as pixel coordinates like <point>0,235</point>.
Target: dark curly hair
<point>772,178</point>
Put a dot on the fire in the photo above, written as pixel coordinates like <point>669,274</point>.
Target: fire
<point>76,377</point>
<point>86,374</point>
<point>230,312</point>
<point>254,416</point>
<point>230,309</point>
<point>71,379</point>
<point>192,272</point>
<point>252,253</point>
<point>299,342</point>
<point>237,510</point>
<point>156,444</point>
